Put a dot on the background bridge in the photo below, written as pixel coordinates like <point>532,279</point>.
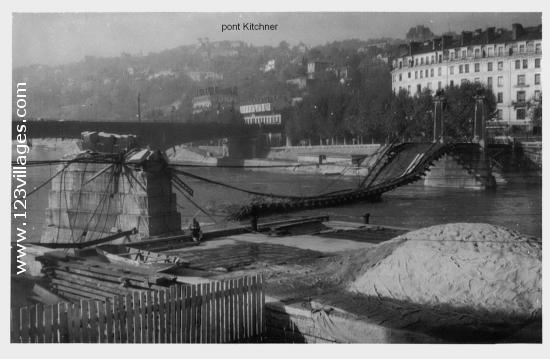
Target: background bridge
<point>158,135</point>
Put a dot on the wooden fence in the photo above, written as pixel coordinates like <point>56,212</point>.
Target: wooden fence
<point>218,312</point>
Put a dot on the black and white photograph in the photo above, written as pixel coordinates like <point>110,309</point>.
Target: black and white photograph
<point>275,177</point>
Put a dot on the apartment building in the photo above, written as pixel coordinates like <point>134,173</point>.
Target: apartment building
<point>508,62</point>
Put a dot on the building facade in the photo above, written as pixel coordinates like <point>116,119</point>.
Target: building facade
<point>507,62</point>
<point>214,98</point>
<point>260,114</point>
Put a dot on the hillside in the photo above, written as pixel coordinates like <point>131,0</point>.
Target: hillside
<point>107,88</point>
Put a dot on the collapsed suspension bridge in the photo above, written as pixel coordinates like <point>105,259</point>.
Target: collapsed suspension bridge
<point>110,191</point>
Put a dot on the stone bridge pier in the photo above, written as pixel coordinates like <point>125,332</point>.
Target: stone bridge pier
<point>466,165</point>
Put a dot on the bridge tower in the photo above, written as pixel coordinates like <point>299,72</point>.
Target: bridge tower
<point>438,116</point>
<point>480,114</point>
<point>467,166</point>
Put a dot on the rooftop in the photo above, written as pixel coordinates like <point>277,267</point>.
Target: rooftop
<point>491,35</point>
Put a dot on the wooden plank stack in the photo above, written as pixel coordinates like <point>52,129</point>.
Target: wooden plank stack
<point>76,279</point>
<point>242,254</point>
<point>217,312</point>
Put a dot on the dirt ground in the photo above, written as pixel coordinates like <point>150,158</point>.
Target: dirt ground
<point>326,279</point>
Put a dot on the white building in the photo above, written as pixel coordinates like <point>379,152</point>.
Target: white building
<point>261,119</point>
<point>260,114</point>
<point>508,62</point>
<point>257,107</point>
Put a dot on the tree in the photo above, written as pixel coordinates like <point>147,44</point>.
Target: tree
<point>534,107</point>
<point>459,109</point>
<point>419,33</point>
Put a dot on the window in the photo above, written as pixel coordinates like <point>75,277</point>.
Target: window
<point>520,114</point>
<point>489,66</point>
<point>452,70</point>
<point>500,50</point>
<point>476,53</point>
<point>421,74</point>
<point>520,96</point>
<point>524,63</point>
<point>439,85</point>
<point>416,74</point>
<point>500,65</point>
<point>409,74</point>
<point>463,81</point>
<point>500,81</point>
<point>418,88</point>
<point>518,64</point>
<point>451,83</point>
<point>439,71</point>
<point>490,51</point>
<point>416,61</point>
<point>499,97</point>
<point>521,80</point>
<point>490,82</point>
<point>429,86</point>
<point>470,52</point>
<point>537,79</point>
<point>467,68</point>
<point>433,59</point>
<point>452,55</point>
<point>463,54</point>
<point>476,67</point>
<point>499,115</point>
<point>426,74</point>
<point>537,63</point>
<point>521,48</point>
<point>432,73</point>
<point>537,94</point>
<point>427,60</point>
<point>460,69</point>
<point>400,77</point>
<point>538,48</point>
<point>421,61</point>
<point>440,58</point>
<point>400,64</point>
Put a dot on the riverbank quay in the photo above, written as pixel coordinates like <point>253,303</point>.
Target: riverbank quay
<point>309,270</point>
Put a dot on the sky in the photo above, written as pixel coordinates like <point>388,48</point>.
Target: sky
<point>60,38</point>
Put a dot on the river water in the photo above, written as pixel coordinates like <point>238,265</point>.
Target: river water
<point>517,207</point>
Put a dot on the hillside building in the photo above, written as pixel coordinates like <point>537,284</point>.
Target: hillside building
<point>214,98</point>
<point>260,114</point>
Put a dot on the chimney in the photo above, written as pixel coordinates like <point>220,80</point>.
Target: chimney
<point>517,31</point>
<point>490,35</point>
<point>465,38</point>
<point>477,33</point>
<point>446,41</point>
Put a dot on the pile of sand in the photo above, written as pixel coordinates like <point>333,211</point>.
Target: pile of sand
<point>476,266</point>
